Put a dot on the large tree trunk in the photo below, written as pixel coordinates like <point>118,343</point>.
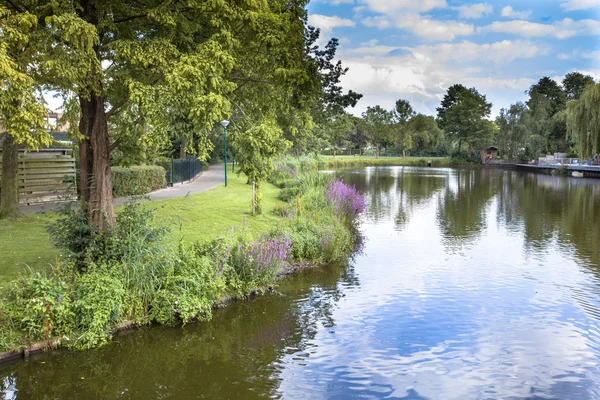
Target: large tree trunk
<point>94,156</point>
<point>9,193</point>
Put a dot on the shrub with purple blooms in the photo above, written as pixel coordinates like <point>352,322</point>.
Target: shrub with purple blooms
<point>346,200</point>
<point>258,261</point>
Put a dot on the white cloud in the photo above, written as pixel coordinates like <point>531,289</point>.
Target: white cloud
<point>380,22</point>
<point>423,73</point>
<point>406,15</point>
<point>392,7</point>
<point>432,29</point>
<point>592,55</point>
<point>509,12</point>
<point>373,50</point>
<point>574,5</point>
<point>370,43</point>
<point>338,2</point>
<point>327,23</point>
<point>561,29</point>
<point>474,11</point>
<point>501,52</point>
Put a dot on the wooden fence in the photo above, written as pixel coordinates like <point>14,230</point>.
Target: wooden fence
<point>46,176</point>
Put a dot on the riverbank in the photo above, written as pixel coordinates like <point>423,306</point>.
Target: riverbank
<point>350,161</point>
<point>135,273</point>
<point>222,302</point>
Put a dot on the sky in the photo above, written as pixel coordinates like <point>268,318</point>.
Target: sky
<point>416,49</point>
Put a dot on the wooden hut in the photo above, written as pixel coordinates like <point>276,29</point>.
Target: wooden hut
<point>489,153</point>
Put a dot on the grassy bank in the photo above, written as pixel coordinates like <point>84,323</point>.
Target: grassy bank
<point>347,161</point>
<point>25,243</point>
<point>141,273</point>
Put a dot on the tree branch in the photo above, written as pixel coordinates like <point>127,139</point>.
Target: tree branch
<point>16,7</point>
<point>115,144</point>
<point>132,17</point>
<point>116,107</point>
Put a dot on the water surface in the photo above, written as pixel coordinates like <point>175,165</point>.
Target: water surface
<point>472,284</point>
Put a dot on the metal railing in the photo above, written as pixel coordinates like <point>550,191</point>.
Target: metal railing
<point>558,161</point>
<point>183,170</point>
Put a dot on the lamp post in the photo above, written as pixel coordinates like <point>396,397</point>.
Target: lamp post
<point>225,123</point>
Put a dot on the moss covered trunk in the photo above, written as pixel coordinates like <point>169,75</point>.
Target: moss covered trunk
<point>9,193</point>
<point>94,163</point>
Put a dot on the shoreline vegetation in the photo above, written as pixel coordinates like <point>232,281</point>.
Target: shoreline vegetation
<point>136,274</point>
<point>367,161</point>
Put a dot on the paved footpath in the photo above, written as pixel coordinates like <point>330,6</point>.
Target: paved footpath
<point>208,179</point>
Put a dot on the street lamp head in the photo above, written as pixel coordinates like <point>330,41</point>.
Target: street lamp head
<point>224,123</point>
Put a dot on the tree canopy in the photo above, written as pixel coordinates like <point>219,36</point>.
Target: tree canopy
<point>463,116</point>
<point>583,120</point>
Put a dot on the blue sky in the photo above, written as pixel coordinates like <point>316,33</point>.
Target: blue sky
<point>416,49</point>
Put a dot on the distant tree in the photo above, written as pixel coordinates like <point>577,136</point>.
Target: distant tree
<point>338,130</point>
<point>583,120</point>
<point>424,132</point>
<point>512,132</point>
<point>463,116</point>
<point>401,114</point>
<point>575,83</point>
<point>548,127</point>
<point>552,91</point>
<point>357,137</point>
<point>377,124</point>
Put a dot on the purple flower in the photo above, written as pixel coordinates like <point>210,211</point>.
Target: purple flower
<point>346,200</point>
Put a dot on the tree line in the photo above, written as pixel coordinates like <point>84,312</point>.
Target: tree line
<point>555,118</point>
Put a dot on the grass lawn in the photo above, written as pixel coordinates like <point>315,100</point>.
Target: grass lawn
<point>340,161</point>
<point>209,214</point>
<point>26,242</point>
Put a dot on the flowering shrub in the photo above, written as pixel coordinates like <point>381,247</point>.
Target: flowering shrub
<point>291,171</point>
<point>259,261</point>
<point>346,200</point>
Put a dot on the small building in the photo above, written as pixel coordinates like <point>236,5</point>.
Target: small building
<point>489,153</point>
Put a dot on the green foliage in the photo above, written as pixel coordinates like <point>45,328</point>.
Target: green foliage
<point>376,122</point>
<point>137,180</point>
<point>460,158</point>
<point>135,237</point>
<point>512,130</point>
<point>190,290</point>
<point>463,116</point>
<point>574,83</point>
<point>424,133</point>
<point>100,304</point>
<point>41,307</point>
<point>583,121</point>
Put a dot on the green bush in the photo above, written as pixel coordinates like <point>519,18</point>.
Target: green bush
<point>137,180</point>
<point>464,159</point>
<point>134,238</point>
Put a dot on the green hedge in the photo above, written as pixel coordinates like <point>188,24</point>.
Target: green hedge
<point>137,180</point>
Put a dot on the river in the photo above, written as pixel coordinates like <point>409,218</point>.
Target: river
<point>471,284</point>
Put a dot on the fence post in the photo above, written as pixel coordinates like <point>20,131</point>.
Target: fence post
<point>172,170</point>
